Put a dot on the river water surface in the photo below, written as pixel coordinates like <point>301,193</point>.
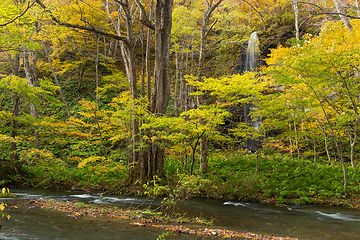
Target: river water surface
<point>305,222</point>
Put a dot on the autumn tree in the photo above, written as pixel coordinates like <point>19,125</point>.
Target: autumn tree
<point>326,66</point>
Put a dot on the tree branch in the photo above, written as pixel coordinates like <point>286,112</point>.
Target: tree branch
<point>313,4</point>
<point>22,14</point>
<point>143,17</point>
<point>207,33</point>
<point>89,29</point>
<point>335,13</point>
<point>214,7</point>
<point>261,16</point>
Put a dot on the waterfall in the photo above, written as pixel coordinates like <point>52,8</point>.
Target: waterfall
<point>251,64</point>
<point>252,53</point>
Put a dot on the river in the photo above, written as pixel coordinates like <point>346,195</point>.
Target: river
<point>305,222</point>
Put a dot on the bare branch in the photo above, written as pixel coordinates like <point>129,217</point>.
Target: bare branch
<point>214,7</point>
<point>207,33</point>
<point>313,4</point>
<point>89,29</point>
<point>22,14</point>
<point>335,13</point>
<point>261,16</point>
<point>143,17</point>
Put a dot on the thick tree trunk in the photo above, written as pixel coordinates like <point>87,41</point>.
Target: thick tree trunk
<point>133,157</point>
<point>160,95</point>
<point>161,82</point>
<point>199,99</point>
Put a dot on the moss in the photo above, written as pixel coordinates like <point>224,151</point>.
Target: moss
<point>7,195</point>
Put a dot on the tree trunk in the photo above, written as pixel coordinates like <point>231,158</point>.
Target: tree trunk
<point>203,156</point>
<point>200,99</point>
<point>143,65</point>
<point>81,76</point>
<point>14,126</point>
<point>97,71</point>
<point>357,7</point>
<point>148,46</point>
<point>160,94</point>
<point>295,4</point>
<point>56,80</point>
<point>161,82</point>
<point>31,75</point>
<point>333,134</point>
<point>15,64</point>
<point>177,83</point>
<point>323,129</point>
<point>343,18</point>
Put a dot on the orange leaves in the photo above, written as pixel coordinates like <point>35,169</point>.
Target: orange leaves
<point>213,232</point>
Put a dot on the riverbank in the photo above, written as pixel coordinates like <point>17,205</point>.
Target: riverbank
<point>296,221</point>
<point>148,219</point>
<point>274,179</point>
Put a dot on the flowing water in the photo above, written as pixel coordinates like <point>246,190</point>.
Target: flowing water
<point>252,53</point>
<point>251,65</point>
<point>305,222</point>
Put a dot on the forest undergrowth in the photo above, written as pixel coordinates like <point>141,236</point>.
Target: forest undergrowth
<point>275,179</point>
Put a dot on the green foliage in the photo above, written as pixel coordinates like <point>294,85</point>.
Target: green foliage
<point>308,95</point>
<point>156,189</point>
<point>49,171</point>
<point>315,104</point>
<point>284,179</point>
<point>2,213</point>
<point>164,235</point>
<point>185,187</point>
<point>5,193</point>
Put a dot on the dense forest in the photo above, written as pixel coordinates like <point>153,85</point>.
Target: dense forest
<point>114,94</point>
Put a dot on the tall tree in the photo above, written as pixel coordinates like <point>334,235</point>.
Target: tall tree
<point>210,7</point>
<point>160,94</point>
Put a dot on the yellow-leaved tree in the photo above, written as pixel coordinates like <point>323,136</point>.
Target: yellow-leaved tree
<point>323,74</point>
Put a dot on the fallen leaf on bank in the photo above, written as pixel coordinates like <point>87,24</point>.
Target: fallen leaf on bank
<point>77,210</point>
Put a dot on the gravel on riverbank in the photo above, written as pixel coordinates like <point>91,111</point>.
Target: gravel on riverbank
<point>79,209</point>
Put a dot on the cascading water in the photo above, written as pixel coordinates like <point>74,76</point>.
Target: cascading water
<point>252,53</point>
<point>251,65</point>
